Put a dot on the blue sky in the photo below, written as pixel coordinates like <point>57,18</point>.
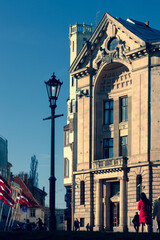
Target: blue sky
<point>34,43</point>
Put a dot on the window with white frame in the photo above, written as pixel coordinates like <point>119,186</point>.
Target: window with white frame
<point>66,167</point>
<point>66,140</point>
<point>32,212</point>
<point>73,106</point>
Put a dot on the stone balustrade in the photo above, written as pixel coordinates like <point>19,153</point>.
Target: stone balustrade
<point>110,162</point>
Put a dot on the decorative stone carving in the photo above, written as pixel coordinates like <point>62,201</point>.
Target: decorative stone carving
<point>120,50</point>
<point>106,56</point>
<point>111,30</point>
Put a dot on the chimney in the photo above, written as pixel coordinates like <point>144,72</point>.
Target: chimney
<point>147,23</point>
<point>26,178</point>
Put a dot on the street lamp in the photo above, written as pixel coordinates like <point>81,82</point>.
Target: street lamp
<point>53,87</point>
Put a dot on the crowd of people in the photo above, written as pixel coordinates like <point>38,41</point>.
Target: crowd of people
<point>145,214</point>
<point>30,226</point>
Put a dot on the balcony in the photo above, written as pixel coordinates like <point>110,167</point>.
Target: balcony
<point>118,162</point>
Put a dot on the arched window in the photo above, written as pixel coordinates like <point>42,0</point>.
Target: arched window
<point>82,193</point>
<point>138,187</point>
<point>66,167</point>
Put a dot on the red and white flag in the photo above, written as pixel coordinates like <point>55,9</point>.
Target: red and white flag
<point>4,185</point>
<point>6,198</point>
<point>23,200</point>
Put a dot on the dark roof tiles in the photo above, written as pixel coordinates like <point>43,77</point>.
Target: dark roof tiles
<point>141,30</point>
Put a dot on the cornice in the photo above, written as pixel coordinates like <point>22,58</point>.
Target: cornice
<point>82,72</point>
<point>143,51</point>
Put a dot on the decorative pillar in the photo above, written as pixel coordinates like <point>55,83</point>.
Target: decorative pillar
<point>105,205</point>
<point>108,193</point>
<point>98,216</point>
<point>116,127</point>
<point>123,204</point>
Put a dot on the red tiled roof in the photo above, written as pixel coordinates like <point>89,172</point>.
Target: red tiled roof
<point>26,191</point>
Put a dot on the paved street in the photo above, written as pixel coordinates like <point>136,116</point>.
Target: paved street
<point>77,235</point>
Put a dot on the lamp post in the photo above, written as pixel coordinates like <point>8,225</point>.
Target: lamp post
<point>53,87</point>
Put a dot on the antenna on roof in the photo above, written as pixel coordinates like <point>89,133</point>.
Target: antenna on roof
<point>97,17</point>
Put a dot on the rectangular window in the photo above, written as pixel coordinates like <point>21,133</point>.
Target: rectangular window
<point>108,112</point>
<point>124,109</point>
<point>115,214</point>
<point>32,212</point>
<point>82,193</point>
<point>138,187</point>
<point>66,137</point>
<point>124,146</point>
<point>73,47</point>
<point>115,188</point>
<point>108,148</point>
<point>61,219</point>
<point>72,81</point>
<point>81,222</point>
<point>66,167</point>
<point>73,106</point>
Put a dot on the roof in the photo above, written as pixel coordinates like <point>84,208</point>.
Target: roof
<point>141,30</point>
<point>40,191</point>
<point>26,191</point>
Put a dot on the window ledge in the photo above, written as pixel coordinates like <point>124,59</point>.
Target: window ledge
<point>123,125</point>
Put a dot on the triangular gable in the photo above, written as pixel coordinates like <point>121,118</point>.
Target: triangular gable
<point>131,30</point>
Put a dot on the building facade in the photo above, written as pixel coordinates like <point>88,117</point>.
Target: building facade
<point>3,157</point>
<point>114,144</point>
<point>78,35</point>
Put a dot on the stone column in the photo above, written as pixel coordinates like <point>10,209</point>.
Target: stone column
<point>116,127</point>
<point>129,124</point>
<point>98,216</point>
<point>123,205</point>
<point>105,205</point>
<point>108,188</point>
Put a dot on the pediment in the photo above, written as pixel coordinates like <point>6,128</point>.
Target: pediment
<point>112,40</point>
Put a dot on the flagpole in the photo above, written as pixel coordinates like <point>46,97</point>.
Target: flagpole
<point>1,211</point>
<point>7,218</point>
<point>11,218</point>
<point>14,216</point>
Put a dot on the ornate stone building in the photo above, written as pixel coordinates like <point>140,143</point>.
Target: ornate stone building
<point>113,136</point>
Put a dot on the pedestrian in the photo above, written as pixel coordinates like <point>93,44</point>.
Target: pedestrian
<point>136,222</point>
<point>76,224</point>
<point>40,224</point>
<point>88,227</point>
<point>156,212</point>
<point>145,208</point>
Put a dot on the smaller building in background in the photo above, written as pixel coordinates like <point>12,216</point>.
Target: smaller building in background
<point>60,217</point>
<point>30,214</point>
<point>3,157</point>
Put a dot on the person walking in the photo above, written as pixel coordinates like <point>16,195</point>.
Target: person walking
<point>136,222</point>
<point>76,224</point>
<point>156,212</point>
<point>145,208</point>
